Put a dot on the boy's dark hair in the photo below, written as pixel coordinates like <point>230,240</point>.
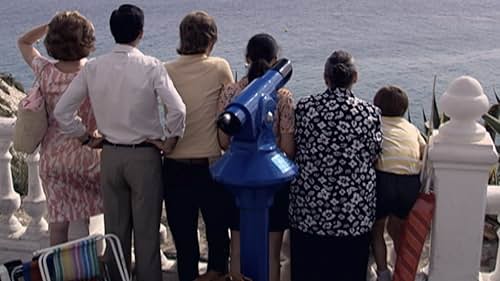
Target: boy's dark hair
<point>198,33</point>
<point>392,100</point>
<point>126,23</point>
<point>340,69</point>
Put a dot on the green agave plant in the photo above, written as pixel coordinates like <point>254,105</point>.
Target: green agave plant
<point>435,121</point>
<point>491,118</point>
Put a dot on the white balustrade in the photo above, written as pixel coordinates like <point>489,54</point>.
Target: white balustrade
<point>10,201</point>
<point>462,154</point>
<point>18,241</point>
<point>34,203</point>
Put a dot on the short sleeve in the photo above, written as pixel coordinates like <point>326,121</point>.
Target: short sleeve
<point>286,112</point>
<point>226,76</point>
<point>38,64</point>
<point>421,140</point>
<point>226,95</point>
<point>300,120</point>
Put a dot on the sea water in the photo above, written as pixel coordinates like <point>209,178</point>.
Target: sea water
<point>399,42</point>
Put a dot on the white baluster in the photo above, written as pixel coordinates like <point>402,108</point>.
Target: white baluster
<point>462,154</point>
<point>34,203</point>
<point>9,199</point>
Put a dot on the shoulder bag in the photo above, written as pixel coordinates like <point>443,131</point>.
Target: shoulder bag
<point>32,122</point>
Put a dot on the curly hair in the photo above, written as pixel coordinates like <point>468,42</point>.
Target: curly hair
<point>198,33</point>
<point>70,37</point>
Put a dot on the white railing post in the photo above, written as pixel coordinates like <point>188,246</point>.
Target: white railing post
<point>10,200</point>
<point>35,203</point>
<point>462,154</point>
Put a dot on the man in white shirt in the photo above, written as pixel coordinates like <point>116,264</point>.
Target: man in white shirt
<point>122,86</point>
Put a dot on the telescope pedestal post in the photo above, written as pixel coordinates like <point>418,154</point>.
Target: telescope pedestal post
<point>254,232</point>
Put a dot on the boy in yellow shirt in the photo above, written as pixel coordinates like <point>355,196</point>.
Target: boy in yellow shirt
<point>398,169</point>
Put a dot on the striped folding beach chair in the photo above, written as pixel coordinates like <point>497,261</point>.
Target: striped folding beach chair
<point>7,268</point>
<point>78,260</point>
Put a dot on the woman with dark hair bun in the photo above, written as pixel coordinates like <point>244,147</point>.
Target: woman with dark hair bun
<point>261,53</point>
<point>332,200</point>
<point>68,170</point>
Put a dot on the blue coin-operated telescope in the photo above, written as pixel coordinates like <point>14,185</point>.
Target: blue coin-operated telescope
<point>254,168</point>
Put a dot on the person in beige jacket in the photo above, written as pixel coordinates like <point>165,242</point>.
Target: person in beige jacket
<point>189,187</point>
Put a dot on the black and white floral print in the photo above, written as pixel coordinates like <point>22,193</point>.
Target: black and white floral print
<point>338,137</point>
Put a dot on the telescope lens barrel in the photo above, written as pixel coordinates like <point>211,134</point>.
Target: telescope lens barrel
<point>246,107</point>
<point>284,67</point>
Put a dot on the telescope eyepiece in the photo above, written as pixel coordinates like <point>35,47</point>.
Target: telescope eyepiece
<point>228,123</point>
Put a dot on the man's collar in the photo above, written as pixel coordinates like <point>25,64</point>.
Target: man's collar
<point>123,48</point>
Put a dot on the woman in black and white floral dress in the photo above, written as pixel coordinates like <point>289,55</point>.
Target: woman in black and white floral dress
<point>332,200</point>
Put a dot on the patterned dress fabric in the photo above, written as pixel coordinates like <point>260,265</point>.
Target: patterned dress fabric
<point>338,137</point>
<point>68,170</point>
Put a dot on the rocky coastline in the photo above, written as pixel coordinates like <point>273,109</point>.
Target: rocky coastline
<point>11,93</point>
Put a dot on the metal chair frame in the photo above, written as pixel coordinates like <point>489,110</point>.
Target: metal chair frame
<point>111,240</point>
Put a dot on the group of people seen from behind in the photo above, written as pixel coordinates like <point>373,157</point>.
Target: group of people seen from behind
<point>107,151</point>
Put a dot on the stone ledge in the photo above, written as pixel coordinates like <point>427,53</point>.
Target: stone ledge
<point>11,249</point>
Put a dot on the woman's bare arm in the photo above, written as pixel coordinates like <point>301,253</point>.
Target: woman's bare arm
<point>26,41</point>
<point>287,145</point>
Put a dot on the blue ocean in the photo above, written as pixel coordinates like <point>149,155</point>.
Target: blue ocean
<point>399,42</point>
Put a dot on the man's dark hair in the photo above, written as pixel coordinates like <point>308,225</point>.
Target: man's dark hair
<point>126,23</point>
<point>392,101</point>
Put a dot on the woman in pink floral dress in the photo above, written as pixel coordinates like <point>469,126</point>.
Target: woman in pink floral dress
<point>69,170</point>
<point>261,54</point>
